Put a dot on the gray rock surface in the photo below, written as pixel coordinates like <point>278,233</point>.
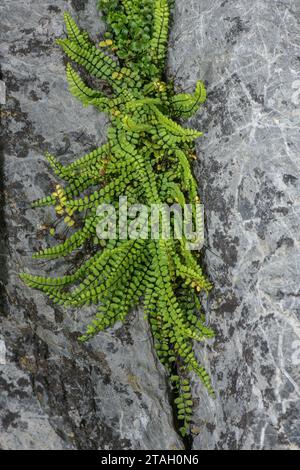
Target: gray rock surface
<point>248,171</point>
<point>111,393</point>
<point>56,393</point>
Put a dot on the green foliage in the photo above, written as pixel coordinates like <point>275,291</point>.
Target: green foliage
<point>130,25</point>
<point>148,159</point>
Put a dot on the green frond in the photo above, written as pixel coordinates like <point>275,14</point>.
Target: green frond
<point>73,242</point>
<point>103,195</point>
<point>158,47</point>
<point>188,181</point>
<point>172,191</point>
<point>168,130</point>
<point>43,202</point>
<point>147,158</point>
<point>74,33</point>
<point>92,59</point>
<point>120,299</point>
<point>133,126</point>
<point>192,277</point>
<point>81,91</point>
<point>88,160</point>
<point>185,104</point>
<point>129,30</point>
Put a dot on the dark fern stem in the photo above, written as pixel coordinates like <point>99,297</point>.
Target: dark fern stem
<point>147,158</point>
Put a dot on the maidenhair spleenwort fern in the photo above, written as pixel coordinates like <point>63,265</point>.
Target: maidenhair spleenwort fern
<point>147,159</point>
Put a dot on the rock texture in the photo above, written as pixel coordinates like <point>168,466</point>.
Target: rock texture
<point>56,393</point>
<point>111,393</point>
<point>248,172</point>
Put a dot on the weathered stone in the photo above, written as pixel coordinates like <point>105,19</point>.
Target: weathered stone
<point>248,173</point>
<point>55,392</point>
<point>111,393</point>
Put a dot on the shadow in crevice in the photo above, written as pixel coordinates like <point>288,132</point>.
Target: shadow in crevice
<point>3,226</point>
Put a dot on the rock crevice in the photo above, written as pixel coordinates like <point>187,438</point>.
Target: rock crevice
<point>112,393</point>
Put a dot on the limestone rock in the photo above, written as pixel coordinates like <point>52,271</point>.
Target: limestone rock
<point>112,393</point>
<point>248,173</point>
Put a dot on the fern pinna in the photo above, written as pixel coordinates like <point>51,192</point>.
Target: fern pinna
<point>147,159</point>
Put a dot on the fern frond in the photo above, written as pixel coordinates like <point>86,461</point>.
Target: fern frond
<point>94,60</point>
<point>74,33</point>
<point>188,180</point>
<point>81,91</point>
<point>90,159</point>
<point>72,243</point>
<point>158,48</point>
<point>185,105</point>
<point>147,159</point>
<point>169,130</point>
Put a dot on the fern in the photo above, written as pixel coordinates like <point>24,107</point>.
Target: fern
<point>148,159</point>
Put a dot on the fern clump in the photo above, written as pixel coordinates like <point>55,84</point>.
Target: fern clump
<point>147,158</point>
